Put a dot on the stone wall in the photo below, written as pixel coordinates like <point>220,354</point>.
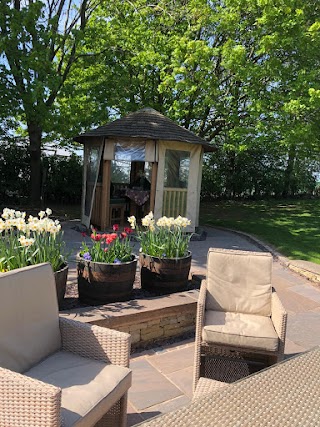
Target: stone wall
<point>148,321</point>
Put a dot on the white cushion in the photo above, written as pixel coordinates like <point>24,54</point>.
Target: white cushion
<point>239,281</point>
<point>89,387</point>
<point>240,330</point>
<point>29,317</point>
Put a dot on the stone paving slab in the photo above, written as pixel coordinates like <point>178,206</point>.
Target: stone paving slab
<point>149,387</point>
<point>304,329</point>
<point>169,362</point>
<point>307,291</point>
<point>295,303</point>
<point>291,348</point>
<point>183,379</point>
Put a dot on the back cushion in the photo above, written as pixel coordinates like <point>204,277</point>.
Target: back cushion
<point>239,281</point>
<point>29,317</point>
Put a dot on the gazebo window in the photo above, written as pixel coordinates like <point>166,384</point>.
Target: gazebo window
<point>130,152</point>
<point>176,169</point>
<point>120,172</point>
<point>93,163</point>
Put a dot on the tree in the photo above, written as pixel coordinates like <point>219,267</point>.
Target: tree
<point>39,45</point>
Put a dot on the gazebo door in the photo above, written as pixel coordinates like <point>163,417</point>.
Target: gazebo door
<point>175,185</point>
<point>92,158</point>
<point>178,182</point>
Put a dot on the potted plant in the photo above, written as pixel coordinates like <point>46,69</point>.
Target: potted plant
<point>106,268</point>
<point>164,259</point>
<point>33,241</point>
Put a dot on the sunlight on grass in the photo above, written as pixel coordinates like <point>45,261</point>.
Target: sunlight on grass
<point>292,227</point>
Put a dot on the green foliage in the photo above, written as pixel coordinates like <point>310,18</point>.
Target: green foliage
<point>14,170</point>
<point>291,226</point>
<point>256,173</point>
<point>62,176</point>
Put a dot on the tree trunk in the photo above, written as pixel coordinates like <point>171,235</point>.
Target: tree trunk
<point>289,171</point>
<point>35,136</point>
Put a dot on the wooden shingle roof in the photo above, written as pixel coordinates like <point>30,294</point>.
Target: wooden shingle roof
<point>146,123</point>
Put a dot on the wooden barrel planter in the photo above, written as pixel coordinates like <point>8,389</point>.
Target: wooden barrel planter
<point>61,282</point>
<point>101,283</point>
<point>164,275</point>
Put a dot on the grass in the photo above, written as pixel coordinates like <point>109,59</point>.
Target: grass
<point>291,226</point>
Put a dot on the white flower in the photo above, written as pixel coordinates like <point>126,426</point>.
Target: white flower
<point>8,213</point>
<point>162,222</point>
<point>182,222</point>
<point>148,221</point>
<point>48,211</point>
<point>2,225</point>
<point>41,214</point>
<point>132,221</point>
<point>25,242</point>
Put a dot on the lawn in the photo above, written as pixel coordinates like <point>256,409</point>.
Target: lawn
<point>291,226</point>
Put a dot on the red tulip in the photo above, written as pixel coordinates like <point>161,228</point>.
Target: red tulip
<point>115,227</point>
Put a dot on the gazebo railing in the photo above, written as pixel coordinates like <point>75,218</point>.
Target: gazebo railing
<point>174,202</point>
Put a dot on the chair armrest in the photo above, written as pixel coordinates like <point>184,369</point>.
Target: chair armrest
<point>25,401</point>
<point>279,319</point>
<point>95,342</point>
<point>199,325</point>
<point>201,306</point>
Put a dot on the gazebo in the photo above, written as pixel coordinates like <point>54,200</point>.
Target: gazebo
<point>141,162</point>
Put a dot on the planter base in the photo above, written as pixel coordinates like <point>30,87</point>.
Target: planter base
<point>61,282</point>
<point>164,275</point>
<point>101,283</point>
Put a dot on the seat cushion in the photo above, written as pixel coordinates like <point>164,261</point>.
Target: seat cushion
<point>239,281</point>
<point>240,330</point>
<point>29,317</point>
<point>89,387</point>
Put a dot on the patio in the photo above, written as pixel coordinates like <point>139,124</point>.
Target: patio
<point>162,376</point>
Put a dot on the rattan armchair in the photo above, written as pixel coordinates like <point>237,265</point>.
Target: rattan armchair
<point>239,315</point>
<point>55,371</point>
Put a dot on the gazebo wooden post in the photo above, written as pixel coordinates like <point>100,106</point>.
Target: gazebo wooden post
<point>105,196</point>
<point>154,174</point>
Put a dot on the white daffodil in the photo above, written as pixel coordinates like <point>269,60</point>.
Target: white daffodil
<point>26,242</point>
<point>132,221</point>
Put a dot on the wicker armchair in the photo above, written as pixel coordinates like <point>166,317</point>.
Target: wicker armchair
<point>56,372</point>
<point>239,315</point>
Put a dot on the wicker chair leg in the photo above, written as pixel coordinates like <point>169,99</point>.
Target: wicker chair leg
<point>117,415</point>
<point>123,410</point>
<point>196,366</point>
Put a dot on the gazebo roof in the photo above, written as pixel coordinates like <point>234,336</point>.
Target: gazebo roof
<point>145,123</point>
